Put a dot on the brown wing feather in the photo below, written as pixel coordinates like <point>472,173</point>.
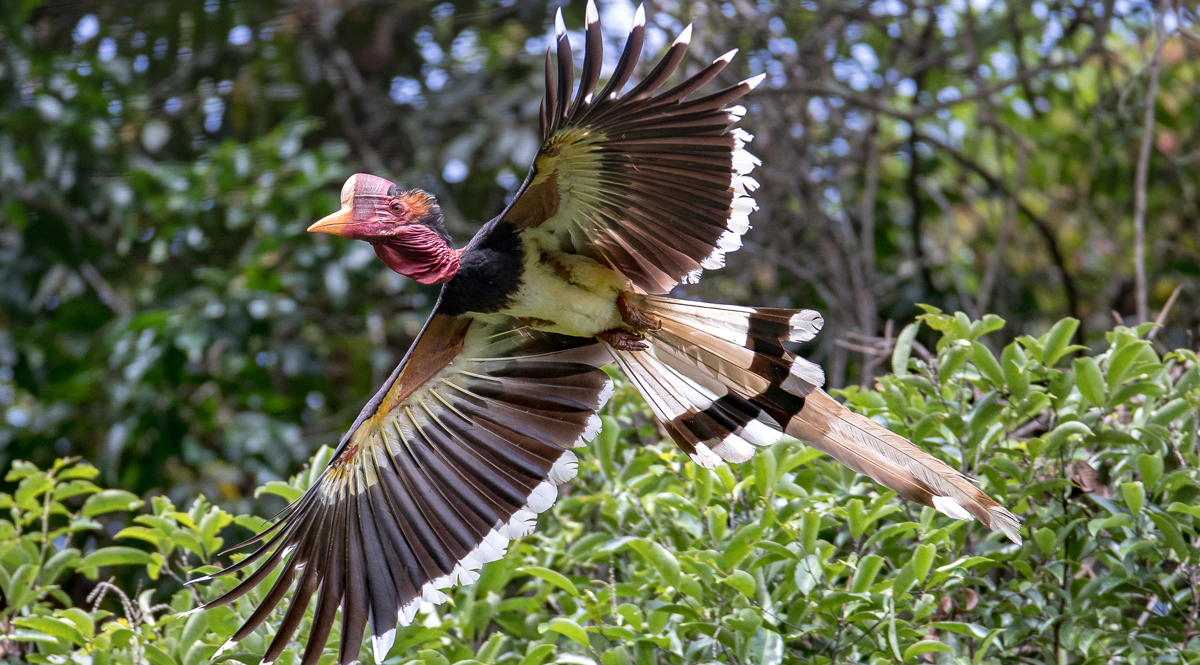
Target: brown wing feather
<point>453,457</point>
<point>654,186</point>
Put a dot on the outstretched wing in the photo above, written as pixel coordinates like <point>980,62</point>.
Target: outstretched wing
<point>455,456</point>
<point>655,186</point>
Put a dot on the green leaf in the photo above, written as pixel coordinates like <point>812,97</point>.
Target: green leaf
<point>986,362</point>
<point>1055,342</point>
<point>665,562</point>
<point>279,488</point>
<point>62,630</point>
<point>556,578</point>
<point>115,556</point>
<point>742,582</point>
<point>567,627</point>
<point>1089,380</point>
<point>1151,468</point>
<point>20,470</point>
<point>925,646</point>
<point>809,574</point>
<point>537,654</point>
<point>923,560</point>
<point>864,577</point>
<point>903,348</point>
<point>1135,496</point>
<point>766,648</point>
<point>110,501</point>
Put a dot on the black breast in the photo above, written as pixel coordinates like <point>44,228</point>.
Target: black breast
<point>489,272</point>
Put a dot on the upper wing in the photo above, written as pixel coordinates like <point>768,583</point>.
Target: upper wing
<point>457,454</point>
<point>653,186</point>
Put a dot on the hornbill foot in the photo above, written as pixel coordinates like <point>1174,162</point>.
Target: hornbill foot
<point>636,318</point>
<point>623,340</point>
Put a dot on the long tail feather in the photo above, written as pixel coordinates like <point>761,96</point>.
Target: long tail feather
<point>721,381</point>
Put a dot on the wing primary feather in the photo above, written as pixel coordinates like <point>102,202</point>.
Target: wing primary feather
<point>356,602</point>
<point>566,74</point>
<point>593,58</point>
<point>333,570</point>
<point>550,102</point>
<point>628,61</point>
<point>663,70</point>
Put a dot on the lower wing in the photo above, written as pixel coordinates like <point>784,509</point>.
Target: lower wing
<point>459,453</point>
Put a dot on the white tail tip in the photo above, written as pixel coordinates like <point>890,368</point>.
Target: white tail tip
<point>727,57</point>
<point>639,17</point>
<point>591,13</point>
<point>560,28</point>
<point>755,81</point>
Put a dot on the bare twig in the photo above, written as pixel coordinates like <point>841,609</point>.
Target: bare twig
<point>1143,168</point>
<point>107,296</point>
<point>1162,316</point>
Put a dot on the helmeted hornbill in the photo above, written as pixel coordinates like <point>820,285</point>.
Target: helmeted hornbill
<point>632,192</point>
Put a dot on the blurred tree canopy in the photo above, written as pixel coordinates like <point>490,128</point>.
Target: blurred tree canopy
<point>165,315</point>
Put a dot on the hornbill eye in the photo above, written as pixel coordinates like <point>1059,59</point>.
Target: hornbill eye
<point>396,206</point>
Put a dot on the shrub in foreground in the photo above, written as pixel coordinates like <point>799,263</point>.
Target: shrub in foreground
<point>787,558</point>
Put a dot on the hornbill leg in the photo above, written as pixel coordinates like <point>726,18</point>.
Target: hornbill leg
<point>623,340</point>
<point>636,318</point>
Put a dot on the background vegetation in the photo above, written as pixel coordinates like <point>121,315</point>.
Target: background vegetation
<point>164,316</point>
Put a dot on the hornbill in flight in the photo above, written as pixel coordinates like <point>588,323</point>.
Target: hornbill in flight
<point>633,191</point>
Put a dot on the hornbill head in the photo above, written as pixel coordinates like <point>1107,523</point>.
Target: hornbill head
<point>405,227</point>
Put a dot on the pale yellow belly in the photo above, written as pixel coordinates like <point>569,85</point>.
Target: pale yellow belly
<point>567,294</point>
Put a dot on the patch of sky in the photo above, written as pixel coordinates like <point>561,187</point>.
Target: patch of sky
<point>240,35</point>
<point>957,130</point>
<point>160,48</point>
<point>107,50</point>
<point>442,11</point>
<point>431,52</point>
<point>225,87</point>
<point>212,6</point>
<point>782,46</point>
<point>840,147</point>
<point>138,40</point>
<point>465,50</point>
<point>507,179</point>
<point>1021,107</point>
<point>1004,64</point>
<point>454,171</point>
<point>214,109</point>
<point>86,28</point>
<point>865,55</point>
<point>948,94</point>
<point>435,78</point>
<point>172,105</point>
<point>893,30</point>
<point>141,63</point>
<point>776,26</point>
<point>906,87</point>
<point>947,20</point>
<point>405,90</point>
<point>817,109</point>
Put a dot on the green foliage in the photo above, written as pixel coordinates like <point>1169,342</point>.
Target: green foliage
<point>788,558</point>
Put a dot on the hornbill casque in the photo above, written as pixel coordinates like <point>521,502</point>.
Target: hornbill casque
<point>633,191</point>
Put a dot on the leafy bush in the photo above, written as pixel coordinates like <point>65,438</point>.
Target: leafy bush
<point>789,557</point>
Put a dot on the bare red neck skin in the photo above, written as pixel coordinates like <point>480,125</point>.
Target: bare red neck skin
<point>418,252</point>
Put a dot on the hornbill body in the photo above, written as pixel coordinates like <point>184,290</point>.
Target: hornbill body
<point>632,192</point>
